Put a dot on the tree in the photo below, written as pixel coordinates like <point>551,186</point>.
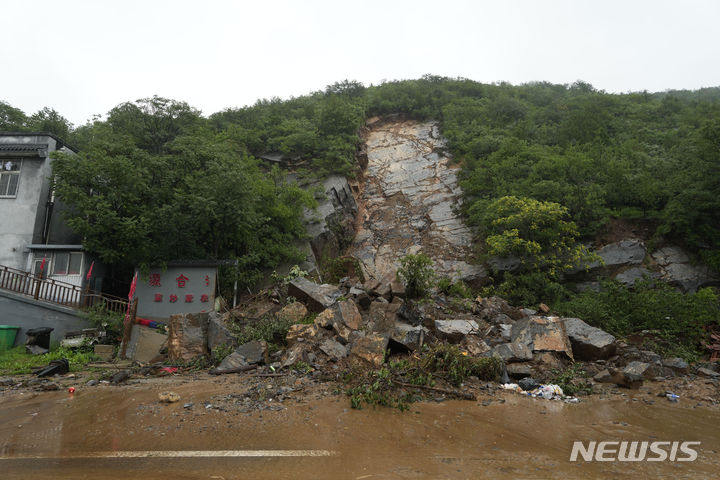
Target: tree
<point>540,234</point>
<point>11,119</point>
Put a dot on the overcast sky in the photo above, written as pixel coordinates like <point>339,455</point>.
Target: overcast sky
<point>85,57</point>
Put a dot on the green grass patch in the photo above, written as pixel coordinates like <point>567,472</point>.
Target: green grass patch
<point>16,361</point>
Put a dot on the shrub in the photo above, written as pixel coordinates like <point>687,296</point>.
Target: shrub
<point>676,320</point>
<point>417,274</point>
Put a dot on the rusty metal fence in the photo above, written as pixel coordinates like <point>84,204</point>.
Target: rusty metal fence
<point>57,292</point>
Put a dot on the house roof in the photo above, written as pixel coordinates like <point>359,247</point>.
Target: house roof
<point>60,142</point>
<point>42,246</point>
<point>24,148</point>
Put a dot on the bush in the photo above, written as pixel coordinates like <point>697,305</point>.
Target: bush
<point>269,328</point>
<point>456,289</point>
<point>417,274</point>
<point>676,320</point>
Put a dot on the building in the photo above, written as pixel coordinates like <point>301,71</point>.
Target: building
<point>31,225</point>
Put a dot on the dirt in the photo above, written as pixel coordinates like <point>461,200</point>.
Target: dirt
<point>501,435</point>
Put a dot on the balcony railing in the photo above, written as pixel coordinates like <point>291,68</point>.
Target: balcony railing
<point>57,292</point>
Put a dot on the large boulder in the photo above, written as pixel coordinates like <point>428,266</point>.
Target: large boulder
<point>511,352</point>
<point>294,312</point>
<point>624,252</point>
<point>455,330</point>
<point>316,297</point>
<point>383,316</point>
<point>371,349</point>
<point>409,336</point>
<point>187,336</point>
<point>254,352</point>
<point>542,334</point>
<point>678,270</point>
<point>589,343</point>
<point>333,349</point>
<point>218,334</point>
<point>301,333</point>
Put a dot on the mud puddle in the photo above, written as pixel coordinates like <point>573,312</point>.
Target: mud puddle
<point>56,435</point>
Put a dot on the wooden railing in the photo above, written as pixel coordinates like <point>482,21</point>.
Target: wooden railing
<point>57,292</point>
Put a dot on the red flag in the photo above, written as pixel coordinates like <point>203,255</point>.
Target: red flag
<point>90,271</point>
<point>42,265</point>
<point>132,287</point>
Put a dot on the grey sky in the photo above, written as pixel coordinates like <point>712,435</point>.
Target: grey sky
<point>85,57</point>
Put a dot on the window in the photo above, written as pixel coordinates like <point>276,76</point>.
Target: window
<point>60,263</point>
<point>9,177</point>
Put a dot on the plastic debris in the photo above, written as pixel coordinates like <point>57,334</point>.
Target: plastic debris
<point>672,397</point>
<point>71,390</point>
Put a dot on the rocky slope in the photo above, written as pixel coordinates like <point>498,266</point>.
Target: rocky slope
<point>407,203</point>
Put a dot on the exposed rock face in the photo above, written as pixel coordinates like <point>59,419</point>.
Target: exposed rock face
<point>409,196</point>
<point>589,343</point>
<point>679,271</point>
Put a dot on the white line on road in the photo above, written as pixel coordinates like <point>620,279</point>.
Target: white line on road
<point>180,454</point>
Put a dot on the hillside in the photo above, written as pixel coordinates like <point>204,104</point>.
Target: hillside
<point>544,171</point>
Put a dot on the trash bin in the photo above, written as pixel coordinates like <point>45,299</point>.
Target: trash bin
<point>7,336</point>
<point>39,336</point>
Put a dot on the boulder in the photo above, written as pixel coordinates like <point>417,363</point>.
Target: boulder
<point>678,270</point>
<point>520,370</point>
<point>254,352</point>
<point>624,252</point>
<point>409,336</point>
<point>677,365</point>
<point>301,333</point>
<point>316,297</point>
<point>371,349</point>
<point>383,316</point>
<point>542,334</point>
<point>640,370</point>
<point>397,289</point>
<point>218,334</point>
<point>455,330</point>
<point>589,343</point>
<point>333,349</point>
<point>619,377</point>
<point>706,372</point>
<point>411,313</point>
<point>232,362</point>
<point>511,352</point>
<point>632,275</point>
<point>294,312</point>
<point>187,336</point>
<point>475,345</point>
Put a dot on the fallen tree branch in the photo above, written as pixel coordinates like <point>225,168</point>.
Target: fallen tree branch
<point>456,393</point>
<point>245,368</point>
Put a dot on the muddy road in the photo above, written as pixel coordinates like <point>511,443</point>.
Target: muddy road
<point>124,432</point>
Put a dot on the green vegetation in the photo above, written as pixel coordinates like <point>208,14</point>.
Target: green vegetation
<point>454,289</point>
<point>269,328</point>
<point>543,167</point>
<point>417,274</point>
<point>572,380</point>
<point>16,361</point>
<point>402,382</point>
<point>675,322</point>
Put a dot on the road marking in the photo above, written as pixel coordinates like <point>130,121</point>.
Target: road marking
<point>180,454</point>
